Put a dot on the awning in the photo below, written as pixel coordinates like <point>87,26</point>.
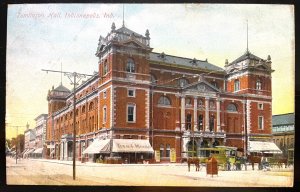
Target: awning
<point>132,146</point>
<point>97,146</point>
<point>28,152</point>
<point>265,147</point>
<point>38,150</point>
<point>25,150</point>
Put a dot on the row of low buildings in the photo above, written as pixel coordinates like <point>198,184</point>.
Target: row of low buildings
<point>35,138</point>
<point>143,105</point>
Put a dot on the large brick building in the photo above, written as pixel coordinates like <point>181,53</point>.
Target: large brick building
<point>142,101</point>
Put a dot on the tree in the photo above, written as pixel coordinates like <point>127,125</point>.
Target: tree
<point>18,142</point>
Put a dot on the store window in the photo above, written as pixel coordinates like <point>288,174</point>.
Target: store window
<point>161,150</point>
<point>168,149</point>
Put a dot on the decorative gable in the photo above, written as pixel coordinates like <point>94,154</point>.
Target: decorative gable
<point>133,43</point>
<point>201,86</point>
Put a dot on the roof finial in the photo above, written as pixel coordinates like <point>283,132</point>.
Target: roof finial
<point>123,17</point>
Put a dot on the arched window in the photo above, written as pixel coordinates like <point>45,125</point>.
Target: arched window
<point>212,105</point>
<point>211,123</point>
<point>77,112</point>
<point>130,67</point>
<point>182,82</point>
<point>188,122</point>
<point>83,109</point>
<point>237,85</point>
<point>200,122</point>
<point>200,103</point>
<point>258,84</point>
<point>231,108</point>
<point>105,67</point>
<point>188,101</point>
<point>91,106</point>
<point>163,100</point>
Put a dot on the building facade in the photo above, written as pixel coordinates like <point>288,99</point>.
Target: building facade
<point>283,131</point>
<point>141,102</point>
<point>29,141</point>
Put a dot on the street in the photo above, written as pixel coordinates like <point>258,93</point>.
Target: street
<point>54,172</point>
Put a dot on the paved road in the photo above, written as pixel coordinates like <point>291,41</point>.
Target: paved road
<point>53,172</point>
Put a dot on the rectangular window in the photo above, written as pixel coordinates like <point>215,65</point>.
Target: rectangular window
<point>131,93</point>
<point>236,85</point>
<point>260,122</point>
<point>260,106</point>
<point>104,114</point>
<point>131,113</point>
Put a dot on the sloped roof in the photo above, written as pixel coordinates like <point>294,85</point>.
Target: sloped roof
<point>246,55</point>
<point>125,30</point>
<point>187,62</point>
<point>283,119</point>
<point>62,88</point>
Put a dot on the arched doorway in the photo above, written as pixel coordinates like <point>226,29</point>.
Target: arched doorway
<point>216,143</point>
<point>192,148</point>
<point>204,144</point>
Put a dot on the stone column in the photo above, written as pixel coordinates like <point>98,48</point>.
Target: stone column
<point>218,115</point>
<point>185,141</point>
<point>182,113</point>
<point>195,114</point>
<point>206,114</point>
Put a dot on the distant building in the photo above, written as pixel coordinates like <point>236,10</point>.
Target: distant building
<point>40,134</point>
<point>142,101</point>
<point>283,131</point>
<point>29,141</point>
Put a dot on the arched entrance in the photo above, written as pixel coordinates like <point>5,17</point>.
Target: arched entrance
<point>216,143</point>
<point>204,144</point>
<point>192,148</point>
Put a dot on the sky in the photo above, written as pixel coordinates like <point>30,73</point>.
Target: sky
<point>48,36</point>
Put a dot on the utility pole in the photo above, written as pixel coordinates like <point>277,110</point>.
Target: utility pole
<point>76,79</point>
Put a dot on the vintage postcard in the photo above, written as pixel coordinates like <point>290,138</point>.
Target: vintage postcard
<point>191,95</point>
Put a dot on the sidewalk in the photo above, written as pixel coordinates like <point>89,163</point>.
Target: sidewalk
<point>92,164</point>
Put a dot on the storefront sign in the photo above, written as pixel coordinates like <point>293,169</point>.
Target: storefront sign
<point>132,146</point>
<point>157,156</point>
<point>173,155</point>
